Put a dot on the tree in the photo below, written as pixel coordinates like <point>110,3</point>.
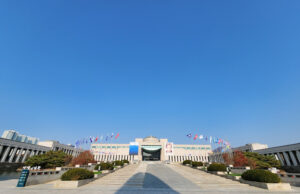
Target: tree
<point>239,159</point>
<point>50,159</point>
<point>227,159</point>
<point>83,158</point>
<point>261,161</point>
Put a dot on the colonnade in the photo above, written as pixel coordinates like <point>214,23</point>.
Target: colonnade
<point>287,158</point>
<point>177,158</point>
<point>17,152</point>
<point>112,157</point>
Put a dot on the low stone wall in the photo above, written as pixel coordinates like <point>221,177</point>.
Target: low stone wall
<point>42,176</point>
<point>292,178</point>
<point>71,184</point>
<point>269,186</point>
<point>239,170</point>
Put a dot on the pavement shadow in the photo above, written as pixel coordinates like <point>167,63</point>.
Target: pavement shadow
<point>149,182</point>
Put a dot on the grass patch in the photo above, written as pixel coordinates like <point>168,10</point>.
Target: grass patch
<point>99,172</point>
<point>235,174</point>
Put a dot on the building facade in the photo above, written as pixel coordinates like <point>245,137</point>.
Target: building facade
<point>216,156</point>
<point>288,155</point>
<point>150,148</point>
<point>14,135</point>
<point>56,146</point>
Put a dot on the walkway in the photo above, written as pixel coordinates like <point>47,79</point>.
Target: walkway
<point>146,177</point>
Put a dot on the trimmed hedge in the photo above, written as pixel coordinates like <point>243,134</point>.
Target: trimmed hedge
<point>77,174</point>
<point>187,162</point>
<point>125,161</point>
<point>104,166</point>
<point>260,175</point>
<point>216,167</point>
<point>118,163</point>
<point>196,164</point>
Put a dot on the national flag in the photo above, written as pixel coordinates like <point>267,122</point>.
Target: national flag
<point>116,137</point>
<point>210,139</point>
<point>112,135</point>
<point>96,139</point>
<point>106,138</point>
<point>101,138</point>
<point>196,136</point>
<point>200,136</point>
<point>189,135</point>
<point>91,139</point>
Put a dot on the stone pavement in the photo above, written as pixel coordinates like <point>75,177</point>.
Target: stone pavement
<point>146,177</point>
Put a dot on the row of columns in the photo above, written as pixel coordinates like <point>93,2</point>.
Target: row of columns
<point>110,157</point>
<point>193,158</point>
<point>68,151</point>
<point>288,158</point>
<point>13,154</point>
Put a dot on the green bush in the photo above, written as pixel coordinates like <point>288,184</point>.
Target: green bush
<point>50,159</point>
<point>104,166</point>
<point>216,167</point>
<point>125,161</point>
<point>196,164</point>
<point>262,161</point>
<point>77,174</point>
<point>118,163</point>
<point>187,162</point>
<point>260,175</point>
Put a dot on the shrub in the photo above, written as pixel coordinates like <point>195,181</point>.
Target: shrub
<point>196,164</point>
<point>50,159</point>
<point>125,161</point>
<point>187,162</point>
<point>77,174</point>
<point>104,166</point>
<point>118,163</point>
<point>239,159</point>
<point>261,161</point>
<point>216,167</point>
<point>83,158</point>
<point>260,175</point>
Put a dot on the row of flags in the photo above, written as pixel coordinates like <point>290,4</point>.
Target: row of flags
<point>215,140</point>
<point>96,139</point>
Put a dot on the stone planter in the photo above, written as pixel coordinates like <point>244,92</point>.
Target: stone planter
<point>199,167</point>
<point>269,186</point>
<point>235,178</point>
<point>218,172</point>
<point>125,164</point>
<point>105,171</point>
<point>71,184</point>
<point>117,167</point>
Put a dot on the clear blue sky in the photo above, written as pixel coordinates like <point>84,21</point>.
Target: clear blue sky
<point>73,69</point>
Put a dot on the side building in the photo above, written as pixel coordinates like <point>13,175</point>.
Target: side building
<point>56,146</point>
<point>150,148</point>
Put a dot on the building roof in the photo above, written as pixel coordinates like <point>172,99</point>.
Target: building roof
<point>151,139</point>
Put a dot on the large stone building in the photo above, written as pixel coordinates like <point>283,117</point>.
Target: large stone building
<point>150,148</point>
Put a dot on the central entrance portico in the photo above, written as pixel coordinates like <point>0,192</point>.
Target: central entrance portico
<point>151,152</point>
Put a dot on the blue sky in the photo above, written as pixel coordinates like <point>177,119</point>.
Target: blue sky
<point>73,69</point>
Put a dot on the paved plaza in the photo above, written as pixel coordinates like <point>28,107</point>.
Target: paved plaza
<point>146,177</point>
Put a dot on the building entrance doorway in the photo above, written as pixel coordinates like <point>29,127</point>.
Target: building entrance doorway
<point>151,153</point>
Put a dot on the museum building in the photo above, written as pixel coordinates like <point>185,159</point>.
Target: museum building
<point>150,149</point>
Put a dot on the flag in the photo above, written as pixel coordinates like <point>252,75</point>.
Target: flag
<point>101,138</point>
<point>91,139</point>
<point>196,136</point>
<point>189,135</point>
<point>96,139</point>
<point>106,138</point>
<point>206,138</point>
<point>210,139</point>
<point>112,135</point>
<point>117,136</point>
<point>200,136</point>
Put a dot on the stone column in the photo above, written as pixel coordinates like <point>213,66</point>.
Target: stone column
<point>5,154</point>
<point>19,155</point>
<point>32,153</point>
<point>286,157</point>
<point>1,148</point>
<point>298,155</point>
<point>293,158</point>
<point>25,156</point>
<point>280,159</point>
<point>12,155</point>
